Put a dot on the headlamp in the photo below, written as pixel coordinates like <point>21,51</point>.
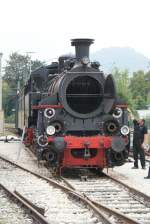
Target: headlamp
<point>50,130</point>
<point>125,130</point>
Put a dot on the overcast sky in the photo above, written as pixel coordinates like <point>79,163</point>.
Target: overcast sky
<point>46,26</point>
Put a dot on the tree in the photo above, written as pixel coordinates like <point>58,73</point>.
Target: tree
<point>147,87</point>
<point>138,87</point>
<point>8,100</point>
<point>17,70</point>
<point>122,84</point>
<point>36,64</point>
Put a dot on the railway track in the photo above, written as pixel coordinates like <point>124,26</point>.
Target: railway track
<point>98,213</point>
<point>61,204</point>
<point>114,196</point>
<point>111,213</point>
<point>16,209</point>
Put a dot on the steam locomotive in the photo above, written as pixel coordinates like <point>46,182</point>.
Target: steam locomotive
<point>72,114</point>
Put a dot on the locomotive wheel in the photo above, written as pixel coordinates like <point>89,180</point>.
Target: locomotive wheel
<point>51,157</point>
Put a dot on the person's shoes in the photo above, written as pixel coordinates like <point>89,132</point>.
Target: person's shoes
<point>134,167</point>
<point>143,167</point>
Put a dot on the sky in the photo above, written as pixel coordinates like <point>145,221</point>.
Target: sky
<point>46,26</point>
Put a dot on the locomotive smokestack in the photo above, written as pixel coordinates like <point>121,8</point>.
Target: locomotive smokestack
<point>81,47</point>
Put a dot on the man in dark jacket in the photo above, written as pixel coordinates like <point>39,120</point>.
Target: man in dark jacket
<point>139,136</point>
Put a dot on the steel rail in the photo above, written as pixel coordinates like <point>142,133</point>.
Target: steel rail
<point>74,193</point>
<point>26,204</point>
<point>102,206</point>
<point>86,200</point>
<point>132,190</point>
<point>37,208</point>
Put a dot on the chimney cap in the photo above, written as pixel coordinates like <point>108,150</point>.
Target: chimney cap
<point>82,41</point>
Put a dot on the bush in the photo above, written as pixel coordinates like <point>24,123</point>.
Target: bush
<point>10,119</point>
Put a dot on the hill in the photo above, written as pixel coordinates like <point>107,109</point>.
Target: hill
<point>121,57</point>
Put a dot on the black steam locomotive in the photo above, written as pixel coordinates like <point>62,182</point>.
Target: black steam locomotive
<point>72,114</point>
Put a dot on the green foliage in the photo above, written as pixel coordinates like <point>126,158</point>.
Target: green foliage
<point>147,87</point>
<point>17,71</point>
<point>137,85</point>
<point>148,98</point>
<point>10,119</point>
<point>140,88</point>
<point>135,90</point>
<point>8,99</point>
<point>122,84</point>
<point>36,64</point>
<point>16,68</point>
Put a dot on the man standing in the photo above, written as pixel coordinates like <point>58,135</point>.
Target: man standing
<point>139,139</point>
